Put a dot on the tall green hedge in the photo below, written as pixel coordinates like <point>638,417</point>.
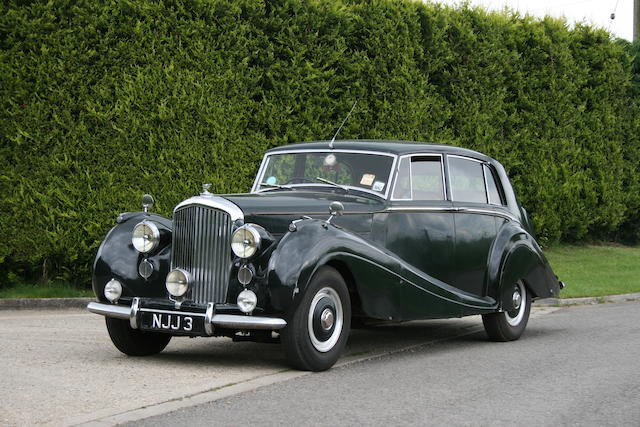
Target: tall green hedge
<point>104,100</point>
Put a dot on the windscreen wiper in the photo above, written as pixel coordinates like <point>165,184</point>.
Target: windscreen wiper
<point>282,187</point>
<point>326,181</point>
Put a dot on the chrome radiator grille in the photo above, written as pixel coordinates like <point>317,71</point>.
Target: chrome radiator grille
<point>202,247</point>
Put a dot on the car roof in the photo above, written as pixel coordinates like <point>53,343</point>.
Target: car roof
<point>384,146</point>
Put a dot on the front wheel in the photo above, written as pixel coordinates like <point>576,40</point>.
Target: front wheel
<point>509,325</point>
<point>134,342</point>
<point>318,330</point>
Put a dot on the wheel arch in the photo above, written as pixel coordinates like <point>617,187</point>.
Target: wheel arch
<point>516,256</point>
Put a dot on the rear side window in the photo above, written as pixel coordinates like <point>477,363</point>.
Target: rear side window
<point>467,180</point>
<point>492,187</point>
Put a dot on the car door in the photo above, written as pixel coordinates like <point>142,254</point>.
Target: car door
<point>475,221</point>
<point>420,225</point>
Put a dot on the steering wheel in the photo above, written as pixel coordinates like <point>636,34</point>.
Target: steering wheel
<point>299,179</point>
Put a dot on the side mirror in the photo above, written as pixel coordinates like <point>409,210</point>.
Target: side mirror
<point>147,202</point>
<point>335,209</point>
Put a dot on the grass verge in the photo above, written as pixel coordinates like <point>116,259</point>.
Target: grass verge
<point>53,290</point>
<point>594,271</point>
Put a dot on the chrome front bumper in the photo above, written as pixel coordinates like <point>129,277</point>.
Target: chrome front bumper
<point>211,320</point>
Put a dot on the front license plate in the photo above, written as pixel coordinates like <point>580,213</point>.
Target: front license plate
<point>175,323</point>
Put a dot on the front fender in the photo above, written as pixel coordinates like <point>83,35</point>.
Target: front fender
<point>516,255</point>
<point>118,259</point>
<point>315,243</point>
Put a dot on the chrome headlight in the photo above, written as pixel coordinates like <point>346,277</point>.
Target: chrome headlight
<point>245,241</point>
<point>178,282</point>
<point>146,236</point>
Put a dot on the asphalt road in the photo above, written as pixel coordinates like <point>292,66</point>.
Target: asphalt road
<point>58,367</point>
<point>574,366</point>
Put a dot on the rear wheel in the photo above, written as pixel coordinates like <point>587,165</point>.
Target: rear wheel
<point>509,325</point>
<point>318,330</point>
<point>134,342</point>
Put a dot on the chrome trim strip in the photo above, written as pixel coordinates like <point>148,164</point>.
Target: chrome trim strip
<point>256,182</point>
<point>235,321</point>
<point>489,212</point>
<point>230,321</point>
<point>263,166</point>
<point>410,179</point>
<point>133,315</point>
<point>450,210</point>
<point>117,311</point>
<point>486,185</point>
<point>215,202</point>
<point>421,209</point>
<point>467,158</point>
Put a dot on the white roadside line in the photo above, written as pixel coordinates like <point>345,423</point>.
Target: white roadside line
<point>255,383</point>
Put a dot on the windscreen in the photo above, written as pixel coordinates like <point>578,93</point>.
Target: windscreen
<point>365,171</point>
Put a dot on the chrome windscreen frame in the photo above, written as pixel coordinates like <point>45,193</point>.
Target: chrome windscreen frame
<point>265,162</point>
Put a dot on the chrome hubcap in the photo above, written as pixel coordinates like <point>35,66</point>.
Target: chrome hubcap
<point>517,299</point>
<point>326,319</point>
<point>515,316</point>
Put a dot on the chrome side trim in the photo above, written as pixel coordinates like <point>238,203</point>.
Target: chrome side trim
<point>215,202</point>
<point>451,210</point>
<point>229,321</point>
<point>486,184</point>
<point>421,209</point>
<point>117,311</point>
<point>489,212</point>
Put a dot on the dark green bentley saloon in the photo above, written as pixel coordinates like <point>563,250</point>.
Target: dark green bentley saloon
<point>331,234</point>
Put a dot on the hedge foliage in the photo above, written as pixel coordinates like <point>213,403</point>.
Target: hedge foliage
<point>104,100</point>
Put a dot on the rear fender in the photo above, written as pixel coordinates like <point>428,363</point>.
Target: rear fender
<point>516,255</point>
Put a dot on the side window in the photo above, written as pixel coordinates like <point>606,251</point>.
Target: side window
<point>426,178</point>
<point>492,187</point>
<point>467,180</point>
<point>402,190</point>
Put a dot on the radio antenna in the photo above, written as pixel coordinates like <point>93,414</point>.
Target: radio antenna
<point>343,122</point>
